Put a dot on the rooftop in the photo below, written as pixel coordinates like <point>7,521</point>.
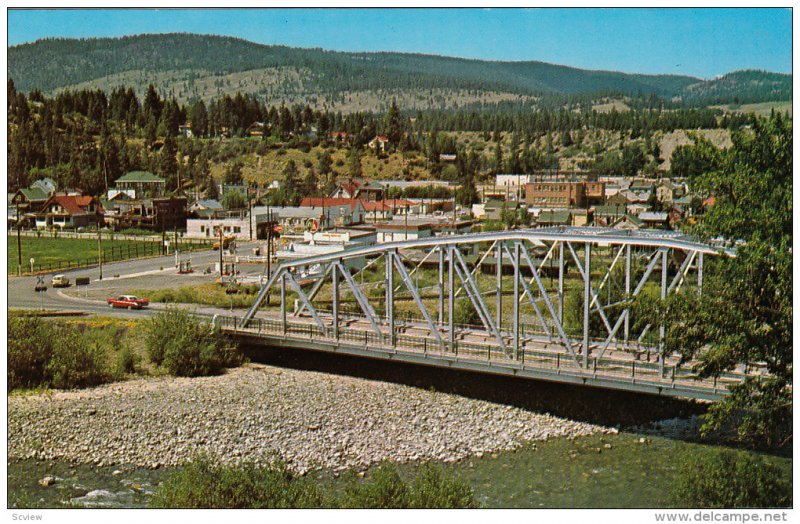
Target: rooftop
<point>141,176</point>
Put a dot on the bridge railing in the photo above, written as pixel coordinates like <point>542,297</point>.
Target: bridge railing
<point>630,370</point>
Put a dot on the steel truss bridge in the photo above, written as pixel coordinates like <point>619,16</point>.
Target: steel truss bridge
<point>473,271</point>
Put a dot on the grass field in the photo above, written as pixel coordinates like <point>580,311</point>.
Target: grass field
<point>48,253</point>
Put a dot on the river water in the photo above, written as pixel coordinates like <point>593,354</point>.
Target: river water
<point>627,470</point>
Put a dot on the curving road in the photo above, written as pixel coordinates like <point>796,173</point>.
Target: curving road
<point>118,278</point>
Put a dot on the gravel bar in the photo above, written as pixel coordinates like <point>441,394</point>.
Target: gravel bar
<point>309,419</point>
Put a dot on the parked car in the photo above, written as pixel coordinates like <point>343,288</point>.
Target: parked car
<point>128,301</point>
<point>59,281</point>
<point>226,242</point>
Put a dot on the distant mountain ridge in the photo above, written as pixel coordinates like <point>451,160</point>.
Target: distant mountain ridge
<point>55,64</point>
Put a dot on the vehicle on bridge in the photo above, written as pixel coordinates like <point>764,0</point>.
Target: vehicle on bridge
<point>60,281</point>
<point>128,301</point>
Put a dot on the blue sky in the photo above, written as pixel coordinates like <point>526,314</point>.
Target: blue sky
<point>697,42</point>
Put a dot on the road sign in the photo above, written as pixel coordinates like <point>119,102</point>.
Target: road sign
<point>82,281</point>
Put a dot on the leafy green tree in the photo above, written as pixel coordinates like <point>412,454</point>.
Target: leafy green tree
<point>311,183</point>
<point>393,124</point>
<point>234,200</point>
<point>744,314</point>
<point>730,480</point>
<point>199,119</point>
<point>233,172</point>
<point>695,160</point>
<point>291,187</point>
<point>168,162</point>
<point>354,163</point>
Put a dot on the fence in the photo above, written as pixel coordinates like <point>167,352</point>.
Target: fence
<point>108,235</point>
<point>136,248</point>
<point>616,369</point>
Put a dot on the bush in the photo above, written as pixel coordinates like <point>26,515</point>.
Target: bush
<point>127,361</point>
<point>432,489</point>
<point>386,490</point>
<point>187,347</point>
<point>202,484</point>
<point>45,354</point>
<point>429,489</point>
<point>464,313</point>
<point>30,345</point>
<point>731,479</point>
<point>78,360</point>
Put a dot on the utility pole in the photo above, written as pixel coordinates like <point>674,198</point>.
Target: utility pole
<point>249,211</point>
<point>100,250</point>
<point>19,245</point>
<point>406,237</point>
<point>220,252</point>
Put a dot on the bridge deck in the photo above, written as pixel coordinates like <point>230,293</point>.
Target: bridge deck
<point>538,358</point>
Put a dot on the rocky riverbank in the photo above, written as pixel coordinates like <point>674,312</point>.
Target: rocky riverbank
<point>309,419</point>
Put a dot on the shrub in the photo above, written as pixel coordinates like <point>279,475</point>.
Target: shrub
<point>126,361</point>
<point>78,360</point>
<point>41,353</point>
<point>730,479</point>
<point>187,347</point>
<point>30,345</point>
<point>464,313</point>
<point>202,484</point>
<point>430,489</point>
<point>386,490</point>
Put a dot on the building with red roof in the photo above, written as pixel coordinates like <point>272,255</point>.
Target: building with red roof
<point>69,211</point>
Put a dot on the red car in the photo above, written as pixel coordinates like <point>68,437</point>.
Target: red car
<point>128,301</point>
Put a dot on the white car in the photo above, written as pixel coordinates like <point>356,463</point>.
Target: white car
<point>59,281</point>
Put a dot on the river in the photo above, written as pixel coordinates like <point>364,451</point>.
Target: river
<point>627,470</point>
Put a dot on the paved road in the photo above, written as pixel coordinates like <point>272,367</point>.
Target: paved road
<point>119,277</point>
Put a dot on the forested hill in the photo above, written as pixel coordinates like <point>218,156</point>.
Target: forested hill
<point>192,66</point>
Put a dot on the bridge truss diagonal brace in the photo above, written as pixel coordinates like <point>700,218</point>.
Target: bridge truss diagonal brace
<point>559,327</point>
<point>414,293</point>
<point>474,294</point>
<point>478,264</point>
<point>626,313</point>
<point>366,307</point>
<point>527,291</point>
<point>607,276</point>
<point>261,296</point>
<point>314,290</point>
<point>304,299</point>
<point>596,302</point>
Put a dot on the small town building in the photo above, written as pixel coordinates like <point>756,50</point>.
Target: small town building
<point>143,183</point>
<point>379,143</point>
<point>655,219</point>
<point>205,207</point>
<point>238,224</point>
<point>69,211</point>
<point>153,214</point>
<point>556,195</point>
<point>400,230</point>
<point>349,211</point>
<point>185,129</point>
<point>553,217</point>
<point>256,129</point>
